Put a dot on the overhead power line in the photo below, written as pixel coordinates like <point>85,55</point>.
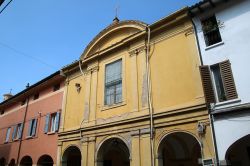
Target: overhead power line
<point>5,5</point>
<point>28,56</point>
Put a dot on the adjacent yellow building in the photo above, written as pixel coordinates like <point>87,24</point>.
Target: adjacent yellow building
<point>135,98</point>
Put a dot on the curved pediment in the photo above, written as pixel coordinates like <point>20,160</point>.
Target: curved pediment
<point>111,35</point>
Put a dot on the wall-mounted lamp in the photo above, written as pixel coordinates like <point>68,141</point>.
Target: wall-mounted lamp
<point>78,87</point>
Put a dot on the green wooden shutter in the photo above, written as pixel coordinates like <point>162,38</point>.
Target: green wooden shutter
<point>33,133</point>
<point>207,84</point>
<point>20,131</point>
<point>46,127</point>
<point>14,132</point>
<point>57,121</point>
<point>228,80</point>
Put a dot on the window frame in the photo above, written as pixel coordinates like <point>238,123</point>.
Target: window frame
<point>56,87</point>
<point>113,84</point>
<point>216,29</point>
<point>17,132</point>
<point>32,130</point>
<point>218,98</point>
<point>227,81</point>
<point>52,124</point>
<point>36,96</point>
<point>7,136</point>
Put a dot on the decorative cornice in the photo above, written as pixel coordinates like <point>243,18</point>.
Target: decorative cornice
<point>109,28</point>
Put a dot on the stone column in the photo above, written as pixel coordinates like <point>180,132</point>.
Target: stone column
<point>87,95</point>
<point>91,151</point>
<point>59,155</point>
<point>93,92</point>
<point>63,112</point>
<point>84,147</point>
<point>145,149</point>
<point>144,96</point>
<point>135,150</point>
<point>134,80</point>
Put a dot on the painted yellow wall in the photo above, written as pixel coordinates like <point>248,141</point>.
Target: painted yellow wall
<point>174,73</point>
<point>176,87</point>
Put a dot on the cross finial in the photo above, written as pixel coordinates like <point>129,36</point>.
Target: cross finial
<point>116,11</point>
<point>116,20</point>
<point>10,91</point>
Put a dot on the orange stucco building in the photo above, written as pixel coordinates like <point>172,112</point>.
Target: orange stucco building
<point>29,122</point>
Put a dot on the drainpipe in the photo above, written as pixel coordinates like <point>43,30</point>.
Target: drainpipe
<point>150,99</point>
<point>24,118</point>
<point>211,119</point>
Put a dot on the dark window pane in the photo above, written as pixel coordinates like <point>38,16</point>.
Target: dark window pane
<point>211,31</point>
<point>218,83</point>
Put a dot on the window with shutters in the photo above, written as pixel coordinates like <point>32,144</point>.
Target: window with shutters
<point>211,31</point>
<point>218,82</point>
<point>17,132</point>
<point>113,83</point>
<point>32,128</point>
<point>52,123</point>
<point>7,135</point>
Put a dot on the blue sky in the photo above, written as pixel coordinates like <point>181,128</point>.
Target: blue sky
<point>38,37</point>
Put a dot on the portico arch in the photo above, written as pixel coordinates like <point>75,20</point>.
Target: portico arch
<point>178,149</point>
<point>45,160</point>
<point>26,161</point>
<point>239,152</point>
<point>72,156</point>
<point>113,152</point>
<point>12,162</point>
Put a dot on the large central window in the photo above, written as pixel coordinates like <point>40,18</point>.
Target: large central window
<point>113,83</point>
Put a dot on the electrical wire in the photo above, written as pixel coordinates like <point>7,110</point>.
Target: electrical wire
<point>5,6</point>
<point>27,56</point>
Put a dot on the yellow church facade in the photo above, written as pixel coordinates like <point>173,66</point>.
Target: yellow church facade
<point>135,98</point>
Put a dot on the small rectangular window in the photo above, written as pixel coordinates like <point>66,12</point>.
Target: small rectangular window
<point>113,83</point>
<point>218,82</point>
<point>23,102</point>
<point>211,31</point>
<point>56,87</point>
<point>7,135</point>
<point>52,122</point>
<point>17,132</point>
<point>2,112</point>
<point>36,96</point>
<point>32,127</point>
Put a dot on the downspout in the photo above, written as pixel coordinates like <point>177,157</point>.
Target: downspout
<point>211,119</point>
<point>150,99</point>
<point>20,142</point>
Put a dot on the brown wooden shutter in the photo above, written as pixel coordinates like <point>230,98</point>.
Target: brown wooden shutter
<point>228,80</point>
<point>207,84</point>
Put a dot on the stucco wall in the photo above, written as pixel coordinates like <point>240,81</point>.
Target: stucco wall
<point>234,30</point>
